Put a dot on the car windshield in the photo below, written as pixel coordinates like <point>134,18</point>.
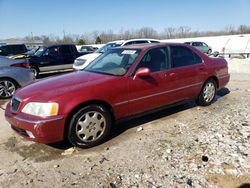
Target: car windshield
<point>107,46</point>
<point>114,62</point>
<point>39,51</point>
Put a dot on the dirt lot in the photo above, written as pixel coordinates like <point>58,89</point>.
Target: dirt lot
<point>185,146</point>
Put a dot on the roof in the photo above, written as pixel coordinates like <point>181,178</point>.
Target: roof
<point>149,45</point>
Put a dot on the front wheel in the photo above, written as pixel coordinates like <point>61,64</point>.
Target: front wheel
<point>89,126</point>
<point>207,93</point>
<point>7,88</point>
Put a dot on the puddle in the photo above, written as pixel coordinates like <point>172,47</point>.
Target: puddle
<point>2,102</point>
<point>34,151</point>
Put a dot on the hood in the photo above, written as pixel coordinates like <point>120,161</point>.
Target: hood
<point>55,86</point>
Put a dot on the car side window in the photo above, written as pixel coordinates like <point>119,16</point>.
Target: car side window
<point>52,51</point>
<point>155,59</point>
<point>65,50</point>
<point>153,41</point>
<point>183,56</point>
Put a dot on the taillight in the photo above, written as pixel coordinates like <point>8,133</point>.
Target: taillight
<point>23,65</point>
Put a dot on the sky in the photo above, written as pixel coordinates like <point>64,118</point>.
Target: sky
<point>19,18</point>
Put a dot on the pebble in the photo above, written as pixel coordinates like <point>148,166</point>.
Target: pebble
<point>69,151</point>
<point>139,129</point>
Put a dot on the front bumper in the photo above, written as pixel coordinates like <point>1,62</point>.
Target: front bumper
<point>42,130</point>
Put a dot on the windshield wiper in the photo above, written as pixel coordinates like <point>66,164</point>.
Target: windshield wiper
<point>100,72</point>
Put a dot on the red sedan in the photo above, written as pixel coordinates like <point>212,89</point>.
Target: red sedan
<point>123,82</point>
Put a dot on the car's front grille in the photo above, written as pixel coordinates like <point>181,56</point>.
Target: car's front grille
<point>15,103</point>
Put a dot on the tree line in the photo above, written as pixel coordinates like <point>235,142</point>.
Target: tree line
<point>98,37</point>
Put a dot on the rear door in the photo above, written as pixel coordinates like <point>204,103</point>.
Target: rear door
<point>186,73</point>
<point>50,60</point>
<point>68,57</point>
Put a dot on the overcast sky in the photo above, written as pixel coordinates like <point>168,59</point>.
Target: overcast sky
<point>18,18</point>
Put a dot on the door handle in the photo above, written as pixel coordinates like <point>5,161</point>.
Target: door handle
<point>202,68</point>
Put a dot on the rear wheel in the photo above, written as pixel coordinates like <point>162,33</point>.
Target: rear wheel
<point>89,126</point>
<point>35,70</point>
<point>7,88</point>
<point>207,94</point>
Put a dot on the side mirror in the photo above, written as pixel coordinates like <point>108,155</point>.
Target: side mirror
<point>142,72</point>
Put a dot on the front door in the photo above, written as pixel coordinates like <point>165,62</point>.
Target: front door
<point>146,92</point>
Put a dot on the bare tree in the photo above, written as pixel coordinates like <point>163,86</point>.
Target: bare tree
<point>230,29</point>
<point>170,32</point>
<point>242,29</point>
<point>183,31</point>
<point>147,32</point>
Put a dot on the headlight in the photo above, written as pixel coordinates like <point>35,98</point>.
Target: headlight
<point>79,61</point>
<point>41,109</point>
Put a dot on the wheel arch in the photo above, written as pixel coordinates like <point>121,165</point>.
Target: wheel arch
<point>12,79</point>
<point>215,79</point>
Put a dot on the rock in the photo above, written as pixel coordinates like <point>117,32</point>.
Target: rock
<point>204,158</point>
<point>189,182</point>
<point>139,129</point>
<point>74,183</point>
<point>168,151</point>
<point>137,176</point>
<point>244,124</point>
<point>56,166</point>
<point>69,151</point>
<point>233,172</point>
<point>112,185</point>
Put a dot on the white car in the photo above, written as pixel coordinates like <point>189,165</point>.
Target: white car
<point>83,61</point>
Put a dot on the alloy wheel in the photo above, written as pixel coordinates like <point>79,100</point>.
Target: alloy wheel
<point>209,92</point>
<point>90,126</point>
<point>7,88</point>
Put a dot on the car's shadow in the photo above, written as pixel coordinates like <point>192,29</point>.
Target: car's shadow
<point>123,126</point>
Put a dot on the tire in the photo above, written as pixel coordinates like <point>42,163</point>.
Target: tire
<point>35,70</point>
<point>209,51</point>
<point>207,93</point>
<point>7,88</point>
<point>89,126</point>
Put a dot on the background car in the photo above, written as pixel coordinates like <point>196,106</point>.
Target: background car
<point>87,48</point>
<point>13,74</point>
<point>12,49</point>
<point>202,46</point>
<point>52,58</point>
<point>122,83</point>
<point>83,61</point>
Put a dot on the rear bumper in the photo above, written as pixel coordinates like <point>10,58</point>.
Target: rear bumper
<point>223,80</point>
<point>43,130</point>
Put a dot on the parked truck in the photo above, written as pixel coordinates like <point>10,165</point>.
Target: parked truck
<point>52,58</point>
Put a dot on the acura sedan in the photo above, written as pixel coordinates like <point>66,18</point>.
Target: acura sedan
<point>123,82</point>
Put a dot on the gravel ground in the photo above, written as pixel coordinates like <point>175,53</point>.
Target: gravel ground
<point>185,146</point>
